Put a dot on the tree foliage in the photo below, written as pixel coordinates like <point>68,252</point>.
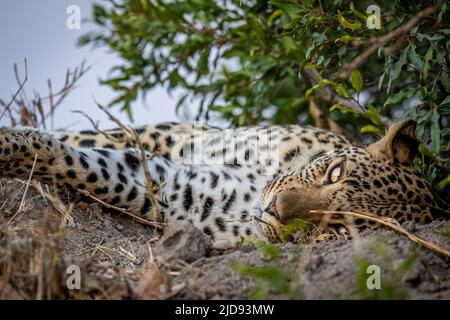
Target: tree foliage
<point>258,61</point>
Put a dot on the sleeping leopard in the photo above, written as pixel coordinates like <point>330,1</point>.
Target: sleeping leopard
<point>231,184</point>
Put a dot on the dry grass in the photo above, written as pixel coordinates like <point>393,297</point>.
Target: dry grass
<point>36,222</point>
<point>50,234</point>
<point>31,259</point>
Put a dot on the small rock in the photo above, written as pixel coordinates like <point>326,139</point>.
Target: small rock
<point>119,227</point>
<point>428,287</point>
<point>413,275</point>
<point>183,241</point>
<point>152,284</point>
<point>315,262</point>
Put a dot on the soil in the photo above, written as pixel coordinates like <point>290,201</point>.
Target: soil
<point>120,259</point>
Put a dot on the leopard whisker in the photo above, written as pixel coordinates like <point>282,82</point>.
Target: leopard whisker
<point>257,219</point>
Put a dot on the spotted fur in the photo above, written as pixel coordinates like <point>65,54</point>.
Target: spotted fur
<point>230,184</point>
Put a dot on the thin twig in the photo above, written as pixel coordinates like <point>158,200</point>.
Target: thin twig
<point>39,109</point>
<point>388,222</point>
<point>18,90</point>
<point>381,41</point>
<point>156,225</point>
<point>56,203</point>
<point>143,159</point>
<point>28,183</point>
<point>130,136</point>
<point>69,84</point>
<point>97,128</point>
<point>115,119</point>
<point>52,106</point>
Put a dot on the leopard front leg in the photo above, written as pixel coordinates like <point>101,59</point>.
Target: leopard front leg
<point>114,176</point>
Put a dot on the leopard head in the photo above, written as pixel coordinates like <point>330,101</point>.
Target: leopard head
<point>377,179</point>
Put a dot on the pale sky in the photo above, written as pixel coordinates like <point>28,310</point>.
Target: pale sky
<point>37,30</point>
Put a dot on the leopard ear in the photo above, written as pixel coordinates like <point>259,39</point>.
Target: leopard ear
<point>399,144</point>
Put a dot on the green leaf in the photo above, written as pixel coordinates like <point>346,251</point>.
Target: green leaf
<point>310,91</point>
<point>272,252</point>
<point>307,3</point>
<point>372,113</point>
<point>421,122</point>
<point>223,109</point>
<point>415,59</point>
<point>380,81</point>
<point>342,91</point>
<point>288,44</point>
<point>290,9</point>
<point>322,83</point>
<point>435,131</point>
<point>423,150</point>
<point>144,4</point>
<point>319,38</point>
<point>427,59</point>
<point>309,51</point>
<point>357,81</point>
<point>446,101</point>
<point>312,66</point>
<point>446,80</point>
<point>347,38</point>
<point>370,128</point>
<point>202,66</point>
<point>347,24</point>
<point>274,16</point>
<point>395,72</point>
<point>441,186</point>
<point>357,13</point>
<point>431,38</point>
<point>256,27</point>
<point>402,95</point>
<point>275,277</point>
<point>342,108</point>
<point>181,102</point>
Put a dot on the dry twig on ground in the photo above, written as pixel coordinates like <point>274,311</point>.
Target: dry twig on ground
<point>156,225</point>
<point>387,222</point>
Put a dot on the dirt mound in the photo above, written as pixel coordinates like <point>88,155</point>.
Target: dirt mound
<point>37,245</point>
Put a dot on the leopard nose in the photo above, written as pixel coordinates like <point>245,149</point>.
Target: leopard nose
<point>296,204</point>
<point>272,208</point>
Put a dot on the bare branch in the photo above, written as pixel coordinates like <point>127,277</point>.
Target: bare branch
<point>70,82</point>
<point>379,42</point>
<point>18,90</point>
<point>97,128</point>
<point>36,111</point>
